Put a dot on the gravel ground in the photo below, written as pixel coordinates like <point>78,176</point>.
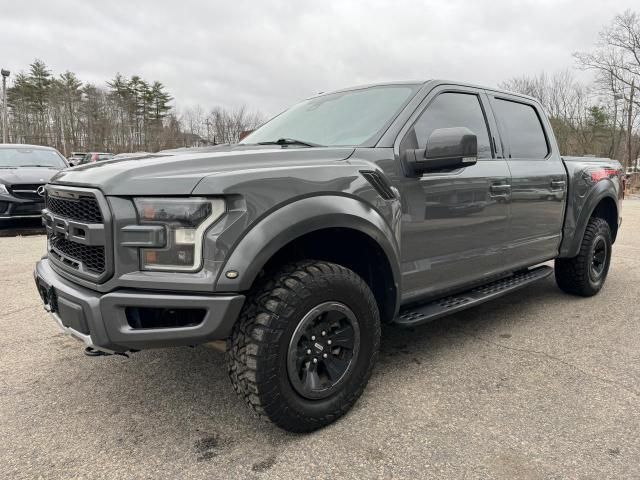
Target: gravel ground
<point>533,385</point>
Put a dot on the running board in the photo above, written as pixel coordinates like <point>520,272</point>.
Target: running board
<point>439,308</point>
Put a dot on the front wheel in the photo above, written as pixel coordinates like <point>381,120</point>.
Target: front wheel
<point>585,273</point>
<point>305,344</point>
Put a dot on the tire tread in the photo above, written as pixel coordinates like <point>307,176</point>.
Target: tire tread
<point>256,336</point>
<point>572,274</point>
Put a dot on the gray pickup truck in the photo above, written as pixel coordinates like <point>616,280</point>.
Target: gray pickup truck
<point>392,203</point>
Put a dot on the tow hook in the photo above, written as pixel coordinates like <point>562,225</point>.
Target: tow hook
<point>94,352</point>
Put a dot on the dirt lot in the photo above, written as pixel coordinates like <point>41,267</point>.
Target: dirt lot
<point>534,385</point>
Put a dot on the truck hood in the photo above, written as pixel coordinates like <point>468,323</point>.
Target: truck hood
<point>11,176</point>
<point>179,174</point>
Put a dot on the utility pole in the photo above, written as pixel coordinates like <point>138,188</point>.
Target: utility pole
<point>629,129</point>
<point>5,124</point>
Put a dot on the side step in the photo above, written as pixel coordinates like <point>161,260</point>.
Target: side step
<point>439,308</point>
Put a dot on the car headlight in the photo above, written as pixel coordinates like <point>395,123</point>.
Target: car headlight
<point>3,189</point>
<point>186,220</point>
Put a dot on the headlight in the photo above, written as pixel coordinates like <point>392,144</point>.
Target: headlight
<point>186,220</point>
<point>3,189</point>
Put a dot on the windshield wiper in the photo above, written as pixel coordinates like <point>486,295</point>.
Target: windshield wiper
<point>41,166</point>
<point>291,141</point>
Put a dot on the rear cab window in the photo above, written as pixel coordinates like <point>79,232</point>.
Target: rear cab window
<point>521,125</point>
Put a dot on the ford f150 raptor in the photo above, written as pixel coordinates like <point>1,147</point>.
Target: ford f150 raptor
<point>391,203</point>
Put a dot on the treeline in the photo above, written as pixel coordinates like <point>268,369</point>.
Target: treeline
<point>130,114</point>
<point>126,115</point>
<point>600,118</point>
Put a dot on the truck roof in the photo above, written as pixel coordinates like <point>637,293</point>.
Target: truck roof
<point>432,82</point>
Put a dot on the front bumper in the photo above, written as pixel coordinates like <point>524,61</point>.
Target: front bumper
<point>13,208</point>
<point>100,320</point>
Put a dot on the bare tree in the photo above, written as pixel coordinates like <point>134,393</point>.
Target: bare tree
<point>194,121</point>
<point>225,126</point>
<point>616,61</point>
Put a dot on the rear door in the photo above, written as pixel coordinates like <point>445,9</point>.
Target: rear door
<point>454,223</point>
<point>538,180</point>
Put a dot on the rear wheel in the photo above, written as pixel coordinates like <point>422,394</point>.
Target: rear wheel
<point>586,273</point>
<point>305,345</point>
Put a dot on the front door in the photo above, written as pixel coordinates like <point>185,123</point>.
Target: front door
<point>455,223</point>
<point>538,181</point>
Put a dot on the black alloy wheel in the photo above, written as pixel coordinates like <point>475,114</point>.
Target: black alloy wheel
<point>322,350</point>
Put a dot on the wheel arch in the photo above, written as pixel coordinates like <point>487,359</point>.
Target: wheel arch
<point>319,226</point>
<point>607,209</point>
<point>601,203</point>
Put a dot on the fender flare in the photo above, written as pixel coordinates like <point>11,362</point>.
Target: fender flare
<point>298,218</point>
<point>571,243</point>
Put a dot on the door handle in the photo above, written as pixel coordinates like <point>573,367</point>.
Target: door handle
<point>500,188</point>
<point>558,184</point>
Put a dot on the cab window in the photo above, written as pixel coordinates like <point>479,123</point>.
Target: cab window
<point>521,124</point>
<point>447,110</point>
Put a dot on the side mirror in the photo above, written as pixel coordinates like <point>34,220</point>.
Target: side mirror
<point>447,149</point>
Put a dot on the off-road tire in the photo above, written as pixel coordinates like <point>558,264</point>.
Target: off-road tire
<point>257,349</point>
<point>573,274</point>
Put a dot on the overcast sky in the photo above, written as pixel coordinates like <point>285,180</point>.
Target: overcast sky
<point>268,54</point>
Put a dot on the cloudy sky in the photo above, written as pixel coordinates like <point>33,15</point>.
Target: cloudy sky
<point>268,54</point>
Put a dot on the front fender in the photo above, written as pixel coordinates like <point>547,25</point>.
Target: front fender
<point>298,218</point>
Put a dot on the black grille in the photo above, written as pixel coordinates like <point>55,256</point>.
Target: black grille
<point>91,256</point>
<point>27,191</point>
<point>84,209</point>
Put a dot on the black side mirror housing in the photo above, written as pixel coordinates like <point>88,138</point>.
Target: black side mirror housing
<point>447,149</point>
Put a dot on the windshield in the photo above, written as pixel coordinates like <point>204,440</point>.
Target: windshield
<point>30,157</point>
<point>351,118</point>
